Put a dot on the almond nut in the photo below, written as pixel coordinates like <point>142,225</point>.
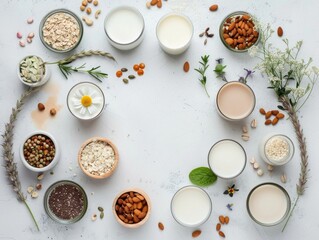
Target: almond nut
<point>262,111</point>
<point>274,121</point>
<point>268,122</point>
<point>221,219</point>
<point>280,31</point>
<point>268,114</point>
<point>186,66</point>
<point>213,8</point>
<point>280,115</point>
<point>154,2</point>
<point>226,219</point>
<point>196,233</point>
<point>274,112</point>
<point>161,226</point>
<point>229,41</point>
<point>41,107</point>
<point>218,227</point>
<point>221,234</point>
<point>159,3</point>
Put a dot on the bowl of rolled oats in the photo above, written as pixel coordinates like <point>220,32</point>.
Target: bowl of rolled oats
<point>61,31</point>
<point>98,157</point>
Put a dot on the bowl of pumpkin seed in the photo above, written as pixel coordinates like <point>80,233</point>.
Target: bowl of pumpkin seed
<point>32,71</point>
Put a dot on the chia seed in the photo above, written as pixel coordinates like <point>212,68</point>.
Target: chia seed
<point>66,201</point>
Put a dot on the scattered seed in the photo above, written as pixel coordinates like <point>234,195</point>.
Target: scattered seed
<point>97,13</point>
<point>283,178</point>
<point>260,172</point>
<point>196,233</point>
<point>131,77</point>
<point>256,165</point>
<point>94,216</point>
<point>119,73</point>
<point>123,69</point>
<point>141,65</point>
<point>29,40</point>
<point>205,42</point>
<point>245,137</point>
<point>52,112</point>
<point>210,35</point>
<point>95,3</point>
<point>202,34</point>
<point>34,194</point>
<point>221,219</point>
<point>38,186</point>
<point>252,160</point>
<point>22,43</point>
<point>40,176</point>
<point>82,8</point>
<point>270,167</point>
<point>221,234</point>
<point>30,189</point>
<point>100,209</point>
<point>19,35</point>
<point>244,129</point>
<point>253,123</point>
<point>31,35</point>
<point>125,80</point>
<point>101,215</point>
<point>218,226</point>
<point>226,219</point>
<point>161,226</point>
<point>148,5</point>
<point>88,10</point>
<point>140,72</point>
<point>30,20</point>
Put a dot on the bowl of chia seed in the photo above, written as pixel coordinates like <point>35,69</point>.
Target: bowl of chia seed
<point>65,202</point>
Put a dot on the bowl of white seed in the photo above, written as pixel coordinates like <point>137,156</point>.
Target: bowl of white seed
<point>32,71</point>
<point>61,31</point>
<point>98,157</point>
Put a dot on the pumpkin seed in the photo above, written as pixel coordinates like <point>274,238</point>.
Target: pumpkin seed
<point>102,215</point>
<point>125,80</point>
<point>131,77</point>
<point>100,209</point>
<point>123,69</point>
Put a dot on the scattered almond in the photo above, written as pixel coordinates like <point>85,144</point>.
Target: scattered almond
<point>161,226</point>
<point>186,66</point>
<point>274,121</point>
<point>196,233</point>
<point>221,234</point>
<point>280,31</point>
<point>221,219</point>
<point>268,114</point>
<point>262,111</point>
<point>274,112</point>
<point>268,122</point>
<point>41,107</point>
<point>218,226</point>
<point>154,2</point>
<point>213,8</point>
<point>226,219</point>
<point>280,116</point>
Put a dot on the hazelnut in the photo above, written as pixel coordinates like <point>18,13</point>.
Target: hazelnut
<point>95,2</point>
<point>82,8</point>
<point>41,107</point>
<point>53,112</point>
<point>88,10</point>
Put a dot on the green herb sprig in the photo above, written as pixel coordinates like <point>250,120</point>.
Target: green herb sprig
<point>202,71</point>
<point>202,176</point>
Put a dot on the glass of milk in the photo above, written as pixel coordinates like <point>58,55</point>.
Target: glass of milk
<point>227,158</point>
<point>235,101</point>
<point>191,206</point>
<point>174,32</point>
<point>124,27</point>
<point>268,204</point>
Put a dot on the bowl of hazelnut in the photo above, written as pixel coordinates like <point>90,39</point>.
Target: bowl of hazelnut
<point>39,151</point>
<point>132,208</point>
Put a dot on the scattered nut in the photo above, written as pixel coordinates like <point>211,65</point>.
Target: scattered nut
<point>244,129</point>
<point>280,32</point>
<point>268,114</point>
<point>274,121</point>
<point>280,115</point>
<point>253,123</point>
<point>268,122</point>
<point>270,167</point>
<point>19,35</point>
<point>262,111</point>
<point>159,3</point>
<point>34,194</point>
<point>186,66</point>
<point>95,2</point>
<point>260,172</point>
<point>88,21</point>
<point>252,160</point>
<point>221,219</point>
<point>30,20</point>
<point>196,233</point>
<point>274,112</point>
<point>245,137</point>
<point>148,5</point>
<point>221,234</point>
<point>226,220</point>
<point>94,217</point>
<point>89,1</point>
<point>31,35</point>
<point>30,189</point>
<point>82,8</point>
<point>88,10</point>
<point>41,107</point>
<point>161,226</point>
<point>84,3</point>
<point>38,186</point>
<point>154,2</point>
<point>256,165</point>
<point>53,112</point>
<point>22,43</point>
<point>40,176</point>
<point>29,40</point>
<point>283,178</point>
<point>97,13</point>
<point>213,8</point>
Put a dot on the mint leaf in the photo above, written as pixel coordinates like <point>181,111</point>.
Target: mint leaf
<point>202,176</point>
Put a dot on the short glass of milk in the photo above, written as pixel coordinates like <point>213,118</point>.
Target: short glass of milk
<point>227,158</point>
<point>191,206</point>
<point>268,204</point>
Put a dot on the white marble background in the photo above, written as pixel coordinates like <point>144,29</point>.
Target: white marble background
<point>163,123</point>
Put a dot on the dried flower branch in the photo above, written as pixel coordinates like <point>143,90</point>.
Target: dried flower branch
<point>292,81</point>
<point>8,155</point>
<point>66,69</point>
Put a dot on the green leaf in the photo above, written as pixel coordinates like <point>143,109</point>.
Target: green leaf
<point>202,176</point>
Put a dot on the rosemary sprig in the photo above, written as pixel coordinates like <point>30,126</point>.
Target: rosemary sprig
<point>202,69</point>
<point>8,155</point>
<point>66,69</point>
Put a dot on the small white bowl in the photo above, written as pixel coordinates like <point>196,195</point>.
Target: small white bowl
<point>44,79</point>
<point>124,27</point>
<point>174,32</point>
<point>53,162</point>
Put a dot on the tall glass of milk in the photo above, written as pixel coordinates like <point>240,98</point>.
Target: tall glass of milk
<point>227,158</point>
<point>191,206</point>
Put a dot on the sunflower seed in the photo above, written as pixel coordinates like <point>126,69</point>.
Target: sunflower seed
<point>252,160</point>
<point>256,165</point>
<point>244,129</point>
<point>283,178</point>
<point>270,167</point>
<point>245,137</point>
<point>253,123</point>
<point>260,172</point>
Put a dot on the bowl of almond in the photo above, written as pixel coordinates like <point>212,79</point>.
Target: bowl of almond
<point>238,31</point>
<point>132,208</point>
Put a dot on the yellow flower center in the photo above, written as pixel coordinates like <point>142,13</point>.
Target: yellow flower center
<point>86,101</point>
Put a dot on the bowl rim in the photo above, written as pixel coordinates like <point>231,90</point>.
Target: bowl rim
<point>200,189</point>
<point>148,200</point>
<point>116,155</point>
<point>221,27</point>
<point>51,214</point>
<point>61,10</point>
<point>119,8</point>
<point>53,162</point>
<point>234,141</point>
<point>288,204</point>
<point>44,79</point>
<point>84,119</point>
<point>183,16</point>
<point>240,83</point>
